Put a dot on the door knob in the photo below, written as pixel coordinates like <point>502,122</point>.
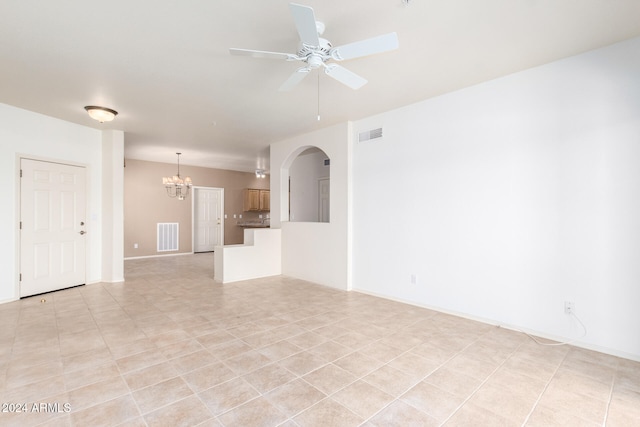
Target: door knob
<point>83,232</point>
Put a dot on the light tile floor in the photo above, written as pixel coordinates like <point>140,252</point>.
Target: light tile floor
<point>169,347</point>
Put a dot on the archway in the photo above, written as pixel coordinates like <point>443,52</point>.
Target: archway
<point>309,175</point>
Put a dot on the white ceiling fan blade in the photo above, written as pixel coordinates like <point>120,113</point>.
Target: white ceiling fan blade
<point>366,47</point>
<point>262,54</point>
<point>294,79</point>
<point>305,23</point>
<point>345,76</point>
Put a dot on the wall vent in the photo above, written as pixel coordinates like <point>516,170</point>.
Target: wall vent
<point>370,134</point>
<point>167,236</point>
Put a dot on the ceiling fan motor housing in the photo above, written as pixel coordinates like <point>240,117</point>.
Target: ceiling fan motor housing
<point>323,50</point>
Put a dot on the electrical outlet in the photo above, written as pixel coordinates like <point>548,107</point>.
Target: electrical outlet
<point>135,246</point>
<point>569,307</point>
<point>414,279</point>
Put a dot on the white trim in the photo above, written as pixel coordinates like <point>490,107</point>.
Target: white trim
<point>579,344</point>
<point>157,256</point>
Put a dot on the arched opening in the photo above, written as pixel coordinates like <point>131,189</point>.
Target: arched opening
<point>309,186</point>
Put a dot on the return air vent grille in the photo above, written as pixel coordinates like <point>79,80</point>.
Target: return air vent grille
<point>167,236</point>
<point>370,134</point>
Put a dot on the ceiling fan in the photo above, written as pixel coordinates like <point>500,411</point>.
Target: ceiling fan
<point>316,52</point>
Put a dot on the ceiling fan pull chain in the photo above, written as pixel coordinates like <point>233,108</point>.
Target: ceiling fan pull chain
<point>318,95</point>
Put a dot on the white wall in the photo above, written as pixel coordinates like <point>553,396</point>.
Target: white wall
<point>24,132</point>
<point>259,256</point>
<point>305,173</point>
<point>113,206</point>
<point>318,252</point>
<point>509,198</point>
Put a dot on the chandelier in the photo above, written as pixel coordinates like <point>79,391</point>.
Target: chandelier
<point>176,186</point>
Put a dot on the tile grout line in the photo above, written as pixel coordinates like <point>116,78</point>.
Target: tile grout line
<point>613,383</point>
<point>484,381</point>
<point>440,366</point>
<point>535,405</point>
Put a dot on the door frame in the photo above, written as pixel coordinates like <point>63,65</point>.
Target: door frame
<point>18,213</point>
<point>193,214</point>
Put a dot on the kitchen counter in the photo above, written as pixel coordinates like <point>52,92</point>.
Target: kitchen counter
<point>253,224</point>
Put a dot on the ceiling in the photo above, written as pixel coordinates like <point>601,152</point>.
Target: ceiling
<point>165,65</point>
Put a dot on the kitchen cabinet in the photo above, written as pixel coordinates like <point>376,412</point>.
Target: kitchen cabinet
<point>265,200</point>
<point>257,200</point>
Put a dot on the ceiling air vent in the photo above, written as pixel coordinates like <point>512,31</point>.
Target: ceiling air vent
<point>370,134</point>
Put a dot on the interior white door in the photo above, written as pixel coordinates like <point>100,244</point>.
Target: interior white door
<point>52,226</point>
<point>208,221</point>
<point>324,196</point>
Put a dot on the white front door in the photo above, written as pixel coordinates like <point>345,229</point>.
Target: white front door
<point>52,226</point>
<point>207,221</point>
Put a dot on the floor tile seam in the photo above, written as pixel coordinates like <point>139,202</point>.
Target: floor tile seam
<point>123,373</point>
<point>143,415</point>
<point>32,382</point>
<point>177,374</point>
<point>182,354</point>
<point>139,414</point>
<point>115,359</point>
<point>394,400</point>
<point>586,376</point>
<point>585,396</point>
<point>167,404</point>
<point>326,397</point>
<point>104,401</point>
<point>5,393</point>
<point>589,377</point>
<point>288,420</point>
<point>475,390</point>
<point>335,391</point>
<point>544,390</point>
<point>64,374</point>
<point>260,395</point>
<point>221,383</point>
<point>606,412</point>
<point>56,418</point>
<point>363,378</point>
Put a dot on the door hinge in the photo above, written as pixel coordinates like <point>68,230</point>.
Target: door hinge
<point>20,277</point>
<point>20,173</point>
<point>20,225</point>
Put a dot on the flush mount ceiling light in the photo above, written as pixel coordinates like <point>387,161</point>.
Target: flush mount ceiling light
<point>101,114</point>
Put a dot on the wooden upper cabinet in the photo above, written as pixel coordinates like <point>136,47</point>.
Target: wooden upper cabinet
<point>256,200</point>
<point>265,200</point>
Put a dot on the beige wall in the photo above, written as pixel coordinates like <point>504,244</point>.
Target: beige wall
<point>146,203</point>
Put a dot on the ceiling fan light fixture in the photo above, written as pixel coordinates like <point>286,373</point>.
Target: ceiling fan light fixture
<point>101,114</point>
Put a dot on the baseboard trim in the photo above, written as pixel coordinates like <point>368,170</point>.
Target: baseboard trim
<point>158,256</point>
<point>580,344</point>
